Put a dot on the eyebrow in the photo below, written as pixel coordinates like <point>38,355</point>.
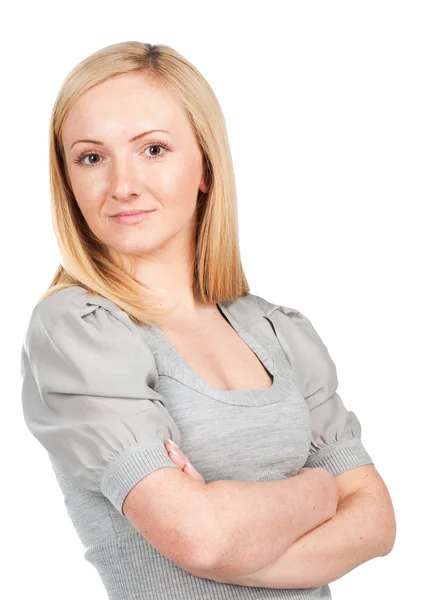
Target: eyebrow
<point>133,139</point>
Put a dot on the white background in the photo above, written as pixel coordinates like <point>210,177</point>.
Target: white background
<point>324,107</point>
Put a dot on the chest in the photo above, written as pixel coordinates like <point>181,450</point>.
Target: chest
<point>217,353</point>
<point>248,431</point>
<point>240,437</point>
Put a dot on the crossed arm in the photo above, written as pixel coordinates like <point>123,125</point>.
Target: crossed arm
<point>364,527</point>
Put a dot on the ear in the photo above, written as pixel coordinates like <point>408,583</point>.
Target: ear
<point>205,181</point>
<point>203,187</point>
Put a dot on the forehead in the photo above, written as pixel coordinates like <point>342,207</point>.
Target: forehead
<point>124,105</point>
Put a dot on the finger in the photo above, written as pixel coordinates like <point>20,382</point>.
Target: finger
<point>177,458</point>
<point>180,459</point>
<point>190,470</point>
<point>175,449</point>
<point>172,446</point>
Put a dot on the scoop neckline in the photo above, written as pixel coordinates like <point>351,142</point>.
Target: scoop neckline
<point>173,364</point>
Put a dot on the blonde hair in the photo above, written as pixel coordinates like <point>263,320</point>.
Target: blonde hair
<point>218,273</point>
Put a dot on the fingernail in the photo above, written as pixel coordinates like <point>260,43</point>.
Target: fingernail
<point>172,443</point>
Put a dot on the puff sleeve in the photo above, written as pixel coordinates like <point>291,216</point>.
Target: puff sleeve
<point>88,394</point>
<point>336,443</point>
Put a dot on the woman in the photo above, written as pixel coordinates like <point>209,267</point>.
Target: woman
<point>148,333</point>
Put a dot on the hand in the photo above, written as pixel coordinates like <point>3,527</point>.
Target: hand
<point>180,459</point>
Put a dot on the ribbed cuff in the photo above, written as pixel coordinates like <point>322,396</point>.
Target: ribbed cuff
<point>340,456</point>
<point>127,470</point>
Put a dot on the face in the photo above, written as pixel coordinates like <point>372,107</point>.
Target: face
<point>160,171</point>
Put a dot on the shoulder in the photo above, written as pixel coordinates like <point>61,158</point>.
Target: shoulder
<point>75,304</point>
<point>80,341</point>
<point>74,300</point>
<point>74,314</point>
<point>251,307</point>
<point>304,348</point>
<point>288,319</point>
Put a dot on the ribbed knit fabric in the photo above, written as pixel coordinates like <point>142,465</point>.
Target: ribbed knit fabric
<point>102,396</point>
<point>133,570</point>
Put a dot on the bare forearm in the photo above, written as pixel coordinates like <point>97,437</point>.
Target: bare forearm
<point>253,524</point>
<point>327,552</point>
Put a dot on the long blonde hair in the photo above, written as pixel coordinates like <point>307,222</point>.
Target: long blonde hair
<point>218,273</point>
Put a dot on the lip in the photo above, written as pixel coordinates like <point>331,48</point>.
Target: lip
<point>130,212</point>
<point>132,216</point>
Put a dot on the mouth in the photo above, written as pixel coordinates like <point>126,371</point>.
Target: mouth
<point>124,213</point>
<point>132,216</point>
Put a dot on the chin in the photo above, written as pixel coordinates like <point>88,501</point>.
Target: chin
<point>135,247</point>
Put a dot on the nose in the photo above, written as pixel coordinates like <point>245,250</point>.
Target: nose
<point>125,178</point>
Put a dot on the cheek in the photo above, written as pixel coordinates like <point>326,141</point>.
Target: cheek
<point>98,187</point>
<point>89,192</point>
<point>180,184</point>
<point>88,185</point>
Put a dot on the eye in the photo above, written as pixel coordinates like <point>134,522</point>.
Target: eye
<point>80,160</point>
<point>157,145</point>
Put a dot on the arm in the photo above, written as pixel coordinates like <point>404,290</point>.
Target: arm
<point>242,525</point>
<point>327,552</point>
<point>254,520</point>
<point>363,528</point>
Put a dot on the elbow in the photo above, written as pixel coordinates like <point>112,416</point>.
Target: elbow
<point>388,528</point>
<point>382,519</point>
<point>383,531</point>
<point>189,550</point>
<point>202,541</point>
<point>389,538</point>
<point>203,549</point>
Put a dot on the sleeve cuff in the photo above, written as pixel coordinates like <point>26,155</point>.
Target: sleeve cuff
<point>127,470</point>
<point>340,456</point>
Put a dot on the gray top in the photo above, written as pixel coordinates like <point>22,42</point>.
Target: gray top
<point>102,395</point>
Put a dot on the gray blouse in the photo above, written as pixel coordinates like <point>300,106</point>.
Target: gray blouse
<point>102,395</point>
